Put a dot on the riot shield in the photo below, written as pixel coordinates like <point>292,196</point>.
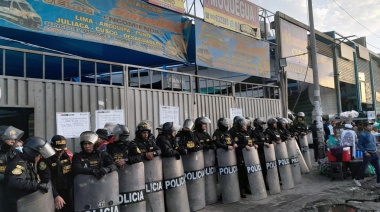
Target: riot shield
<point>193,165</point>
<point>132,187</point>
<point>210,176</point>
<point>304,146</point>
<point>283,164</point>
<point>301,160</point>
<point>309,138</point>
<point>154,193</point>
<point>175,185</point>
<point>91,194</point>
<point>272,173</point>
<point>294,160</point>
<point>229,180</point>
<point>37,201</point>
<point>255,176</point>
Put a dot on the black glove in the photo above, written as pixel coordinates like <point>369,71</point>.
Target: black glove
<point>104,170</point>
<point>177,156</point>
<point>183,151</point>
<point>97,173</point>
<point>44,187</point>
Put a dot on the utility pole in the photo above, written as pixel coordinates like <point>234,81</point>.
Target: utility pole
<point>317,93</point>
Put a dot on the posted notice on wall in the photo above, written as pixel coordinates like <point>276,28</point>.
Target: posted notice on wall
<point>105,116</point>
<point>371,114</point>
<point>236,112</point>
<point>169,114</point>
<point>71,125</point>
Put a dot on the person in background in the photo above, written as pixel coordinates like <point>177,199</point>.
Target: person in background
<point>313,129</point>
<point>348,139</point>
<point>159,130</point>
<point>18,145</point>
<point>367,143</point>
<point>378,122</point>
<point>109,126</point>
<point>91,161</point>
<point>102,142</point>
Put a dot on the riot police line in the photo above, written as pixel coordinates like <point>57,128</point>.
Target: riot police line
<point>177,171</point>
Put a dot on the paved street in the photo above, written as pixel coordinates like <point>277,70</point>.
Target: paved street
<point>315,192</point>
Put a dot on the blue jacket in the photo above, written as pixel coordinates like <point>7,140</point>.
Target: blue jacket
<point>367,142</point>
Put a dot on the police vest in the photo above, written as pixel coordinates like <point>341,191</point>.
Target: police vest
<point>119,152</point>
<point>93,162</point>
<point>225,138</point>
<point>64,163</point>
<point>145,146</point>
<point>3,162</point>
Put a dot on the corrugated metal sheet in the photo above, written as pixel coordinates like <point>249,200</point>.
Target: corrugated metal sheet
<point>49,97</point>
<point>363,66</point>
<point>347,71</point>
<point>328,99</point>
<point>324,49</point>
<point>264,108</point>
<point>376,79</point>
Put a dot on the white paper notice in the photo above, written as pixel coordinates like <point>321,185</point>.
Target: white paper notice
<point>371,114</point>
<point>104,116</point>
<point>71,125</point>
<point>235,112</point>
<point>169,114</point>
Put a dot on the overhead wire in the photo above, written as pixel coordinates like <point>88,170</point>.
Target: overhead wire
<point>358,23</point>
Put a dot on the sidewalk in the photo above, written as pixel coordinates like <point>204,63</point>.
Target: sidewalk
<point>315,190</point>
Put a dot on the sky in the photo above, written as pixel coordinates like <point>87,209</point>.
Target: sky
<point>329,17</point>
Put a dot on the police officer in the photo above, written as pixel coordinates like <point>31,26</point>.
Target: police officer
<point>243,140</point>
<point>250,126</point>
<point>282,129</point>
<point>234,122</point>
<point>299,125</point>
<point>145,143</point>
<point>167,142</point>
<point>187,139</point>
<point>20,176</point>
<point>8,135</point>
<point>91,161</point>
<point>260,139</point>
<point>272,133</point>
<point>57,169</point>
<point>201,133</point>
<point>103,136</point>
<point>222,137</point>
<point>122,150</point>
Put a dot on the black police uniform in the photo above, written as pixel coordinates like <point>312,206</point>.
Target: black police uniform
<point>284,133</point>
<point>148,146</point>
<point>58,170</point>
<point>260,139</point>
<point>86,163</point>
<point>7,153</point>
<point>205,139</point>
<point>123,150</point>
<point>242,139</point>
<point>169,146</point>
<point>188,140</point>
<point>20,180</point>
<point>222,139</point>
<point>300,127</point>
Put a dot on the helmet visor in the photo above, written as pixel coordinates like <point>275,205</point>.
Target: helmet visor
<point>46,150</point>
<point>89,136</point>
<point>205,120</point>
<point>176,127</point>
<point>12,133</point>
<point>226,122</point>
<point>188,124</point>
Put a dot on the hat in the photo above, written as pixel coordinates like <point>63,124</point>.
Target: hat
<point>58,142</point>
<point>102,133</point>
<point>348,126</point>
<point>159,127</point>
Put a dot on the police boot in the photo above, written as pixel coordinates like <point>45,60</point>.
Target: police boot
<point>242,195</point>
<point>248,191</point>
